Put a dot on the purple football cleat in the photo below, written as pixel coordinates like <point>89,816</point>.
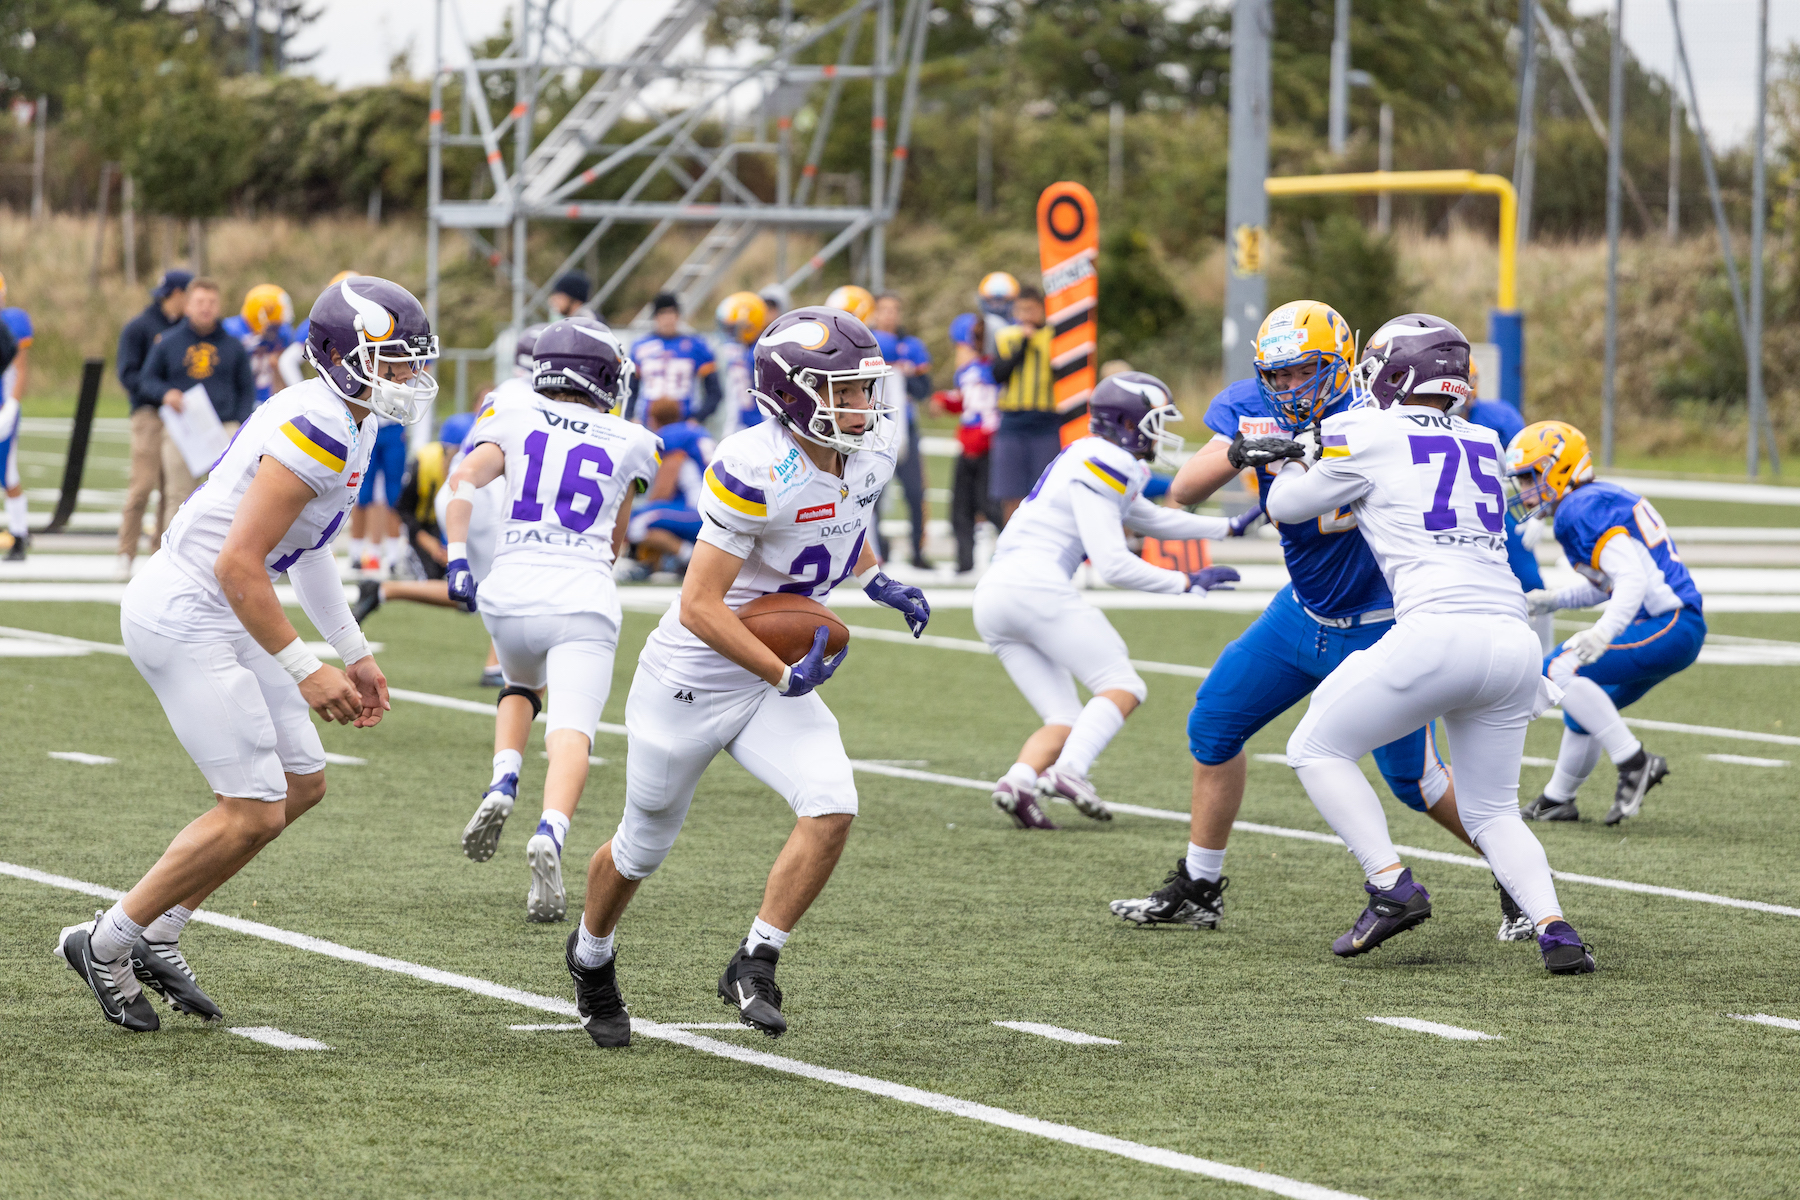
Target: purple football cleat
<point>1393,911</point>
<point>1060,781</point>
<point>1563,950</point>
<point>1021,805</point>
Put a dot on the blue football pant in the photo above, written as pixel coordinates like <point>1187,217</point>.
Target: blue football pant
<point>1648,652</point>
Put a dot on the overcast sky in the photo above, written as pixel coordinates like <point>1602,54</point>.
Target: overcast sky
<point>361,36</point>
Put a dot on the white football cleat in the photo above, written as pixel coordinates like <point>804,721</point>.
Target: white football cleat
<point>481,836</point>
<point>545,901</point>
<point>1066,784</point>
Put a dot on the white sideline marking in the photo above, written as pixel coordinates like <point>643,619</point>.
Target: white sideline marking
<point>1765,1019</point>
<point>1279,760</point>
<point>345,760</point>
<point>268,1035</point>
<point>1529,761</point>
<point>592,761</point>
<point>1453,1032</point>
<point>1057,1033</point>
<point>25,648</point>
<point>86,760</point>
<point>1156,1156</point>
<point>543,1028</point>
<point>1743,760</point>
<point>973,647</point>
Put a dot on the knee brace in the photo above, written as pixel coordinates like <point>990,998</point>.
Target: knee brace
<point>537,706</point>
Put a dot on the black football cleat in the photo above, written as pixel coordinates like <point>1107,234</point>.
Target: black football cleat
<point>368,599</point>
<point>1181,900</point>
<point>121,998</point>
<point>1390,912</point>
<point>161,967</point>
<point>1515,926</point>
<point>1546,809</point>
<point>748,984</point>
<point>21,543</point>
<point>597,999</point>
<point>1637,775</point>
<point>1563,950</point>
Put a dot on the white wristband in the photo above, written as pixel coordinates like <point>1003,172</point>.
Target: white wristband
<point>352,646</point>
<point>863,578</point>
<point>457,550</point>
<point>787,675</point>
<point>297,660</point>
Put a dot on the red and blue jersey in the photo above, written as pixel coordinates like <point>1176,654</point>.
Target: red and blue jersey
<point>668,368</point>
<point>1594,513</point>
<point>1332,570</point>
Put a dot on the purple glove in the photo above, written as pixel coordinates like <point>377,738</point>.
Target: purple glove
<point>461,581</point>
<point>814,669</point>
<point>1240,524</point>
<point>1208,578</point>
<point>905,599</point>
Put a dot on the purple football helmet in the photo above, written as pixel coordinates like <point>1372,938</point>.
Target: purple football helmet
<point>1414,355</point>
<point>523,348</point>
<point>583,356</point>
<point>801,360</point>
<point>1129,410</point>
<point>362,324</point>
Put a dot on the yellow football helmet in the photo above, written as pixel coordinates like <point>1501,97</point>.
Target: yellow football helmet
<point>1299,333</point>
<point>742,315</point>
<point>1547,461</point>
<point>266,305</point>
<point>340,277</point>
<point>854,300</point>
<point>998,285</point>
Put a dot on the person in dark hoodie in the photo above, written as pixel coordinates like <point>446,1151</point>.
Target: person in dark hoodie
<point>156,464</point>
<point>199,351</point>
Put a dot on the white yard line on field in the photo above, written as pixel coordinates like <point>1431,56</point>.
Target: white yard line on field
<point>268,1035</point>
<point>1765,1019</point>
<point>86,760</point>
<point>1454,1032</point>
<point>1057,1033</point>
<point>1279,1185</point>
<point>1743,760</point>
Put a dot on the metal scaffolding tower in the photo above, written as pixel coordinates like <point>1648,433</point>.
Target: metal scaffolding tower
<point>549,176</point>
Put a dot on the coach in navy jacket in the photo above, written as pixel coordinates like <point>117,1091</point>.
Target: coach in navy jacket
<point>199,351</point>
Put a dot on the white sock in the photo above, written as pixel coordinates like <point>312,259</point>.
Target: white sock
<point>507,762</point>
<point>1385,880</point>
<point>556,825</point>
<point>114,933</point>
<point>1593,708</point>
<point>393,549</point>
<point>591,950</point>
<point>1574,763</point>
<point>18,516</point>
<point>358,548</point>
<point>168,927</point>
<point>1205,864</point>
<point>1518,862</point>
<point>1021,775</point>
<point>764,934</point>
<point>1094,728</point>
<point>1348,804</point>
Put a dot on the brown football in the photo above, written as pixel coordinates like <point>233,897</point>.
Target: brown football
<point>785,623</point>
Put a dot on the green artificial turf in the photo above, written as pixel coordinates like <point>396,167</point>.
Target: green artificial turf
<point>1248,1045</point>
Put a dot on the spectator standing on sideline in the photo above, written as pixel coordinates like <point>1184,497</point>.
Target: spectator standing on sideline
<point>156,464</point>
<point>570,292</point>
<point>1030,432</point>
<point>199,352</point>
<point>975,400</point>
<point>17,323</point>
<point>909,356</point>
<point>669,363</point>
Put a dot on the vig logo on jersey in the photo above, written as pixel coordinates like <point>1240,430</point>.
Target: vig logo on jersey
<point>818,512</point>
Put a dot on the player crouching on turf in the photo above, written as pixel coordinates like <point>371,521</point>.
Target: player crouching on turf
<point>1044,633</point>
<point>549,603</point>
<point>786,507</point>
<point>1426,488</point>
<point>1651,626</point>
<point>204,627</point>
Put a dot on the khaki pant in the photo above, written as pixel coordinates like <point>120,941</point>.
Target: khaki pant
<point>156,465</point>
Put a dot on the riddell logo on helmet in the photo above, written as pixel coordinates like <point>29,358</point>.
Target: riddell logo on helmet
<point>818,512</point>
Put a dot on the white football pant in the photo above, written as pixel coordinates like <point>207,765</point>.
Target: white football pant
<point>1047,638</point>
<point>673,733</point>
<point>239,716</point>
<point>1479,676</point>
<point>571,653</point>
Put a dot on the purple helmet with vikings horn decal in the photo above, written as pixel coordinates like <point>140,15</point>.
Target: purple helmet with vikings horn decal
<point>583,356</point>
<point>361,325</point>
<point>802,362</point>
<point>1414,355</point>
<point>1129,410</point>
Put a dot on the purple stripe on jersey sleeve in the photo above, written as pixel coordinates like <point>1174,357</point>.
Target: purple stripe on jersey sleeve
<point>1336,439</point>
<point>736,486</point>
<point>320,438</point>
<point>1100,466</point>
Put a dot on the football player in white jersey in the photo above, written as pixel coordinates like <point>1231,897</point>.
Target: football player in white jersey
<point>571,468</point>
<point>787,507</point>
<point>203,626</point>
<point>1428,492</point>
<point>1045,634</point>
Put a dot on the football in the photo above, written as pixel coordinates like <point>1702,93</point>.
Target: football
<point>785,623</point>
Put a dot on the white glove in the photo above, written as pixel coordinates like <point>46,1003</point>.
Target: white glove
<point>1306,437</point>
<point>1531,533</point>
<point>1540,601</point>
<point>1588,646</point>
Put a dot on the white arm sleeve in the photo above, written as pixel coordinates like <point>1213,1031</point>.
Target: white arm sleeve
<point>1172,523</point>
<point>1103,537</point>
<point>1624,562</point>
<point>1298,494</point>
<point>1581,595</point>
<point>321,595</point>
<point>289,364</point>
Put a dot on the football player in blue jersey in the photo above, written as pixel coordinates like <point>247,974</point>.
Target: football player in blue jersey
<point>741,316</point>
<point>909,356</point>
<point>1336,604</point>
<point>671,363</point>
<point>1651,626</point>
<point>667,523</point>
<point>266,328</point>
<point>12,392</point>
